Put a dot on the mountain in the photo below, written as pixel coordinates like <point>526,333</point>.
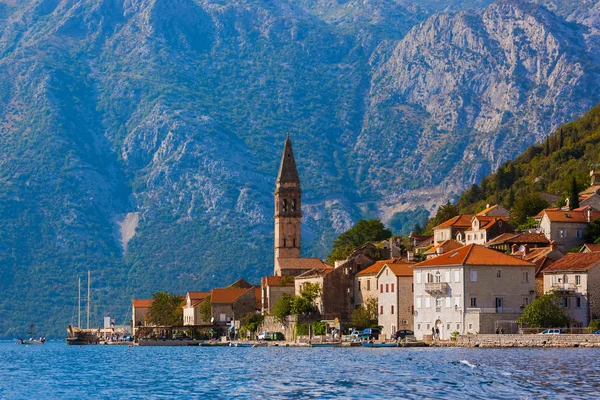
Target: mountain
<point>141,139</point>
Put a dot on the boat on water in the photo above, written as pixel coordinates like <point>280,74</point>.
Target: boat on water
<point>31,339</point>
<point>259,344</point>
<point>380,344</point>
<point>79,336</point>
<point>326,344</point>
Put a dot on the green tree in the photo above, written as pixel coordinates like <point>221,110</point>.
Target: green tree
<point>283,307</point>
<point>527,206</point>
<point>574,194</point>
<point>206,310</point>
<point>363,232</point>
<point>306,302</point>
<point>594,325</point>
<point>510,201</point>
<point>545,312</point>
<point>251,322</point>
<point>592,232</point>
<point>365,316</point>
<point>166,309</point>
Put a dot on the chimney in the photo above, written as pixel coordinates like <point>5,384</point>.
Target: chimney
<point>439,250</point>
<point>526,249</point>
<point>409,255</point>
<point>589,215</point>
<point>553,245</point>
<point>514,248</point>
<point>487,206</point>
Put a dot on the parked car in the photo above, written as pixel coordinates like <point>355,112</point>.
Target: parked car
<point>369,334</point>
<point>355,333</point>
<point>596,333</point>
<point>264,335</point>
<point>404,334</point>
<point>551,332</point>
<point>277,336</point>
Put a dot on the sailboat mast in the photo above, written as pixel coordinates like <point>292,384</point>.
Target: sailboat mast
<point>88,302</point>
<point>79,304</point>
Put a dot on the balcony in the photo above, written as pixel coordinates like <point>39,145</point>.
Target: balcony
<point>564,287</point>
<point>436,287</point>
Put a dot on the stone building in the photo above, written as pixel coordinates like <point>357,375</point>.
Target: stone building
<point>576,278</point>
<point>454,229</point>
<point>485,228</point>
<point>232,304</point>
<point>470,290</point>
<point>567,228</point>
<point>139,312</point>
<point>191,309</point>
<point>365,283</point>
<point>542,258</point>
<point>395,297</point>
<point>273,288</point>
<point>591,196</point>
<point>506,242</point>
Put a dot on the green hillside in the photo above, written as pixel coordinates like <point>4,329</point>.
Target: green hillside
<point>547,167</point>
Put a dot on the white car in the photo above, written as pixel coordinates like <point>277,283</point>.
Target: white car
<point>263,335</point>
<point>551,332</point>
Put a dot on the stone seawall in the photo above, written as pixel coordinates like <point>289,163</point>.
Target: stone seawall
<point>565,340</point>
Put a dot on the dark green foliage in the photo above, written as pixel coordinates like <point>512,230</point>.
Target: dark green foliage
<point>283,307</point>
<point>319,328</point>
<point>206,310</point>
<point>443,214</point>
<point>363,232</point>
<point>592,232</point>
<point>574,194</point>
<point>251,322</point>
<point>305,303</point>
<point>302,329</point>
<point>551,166</point>
<point>594,325</point>
<point>365,316</point>
<point>402,223</point>
<point>166,309</point>
<point>545,312</point>
<point>527,206</point>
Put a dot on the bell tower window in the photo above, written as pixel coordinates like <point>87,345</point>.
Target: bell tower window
<point>284,205</point>
<point>294,205</point>
<point>284,243</point>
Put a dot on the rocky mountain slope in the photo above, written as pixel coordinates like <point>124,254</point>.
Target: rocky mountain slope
<point>156,126</point>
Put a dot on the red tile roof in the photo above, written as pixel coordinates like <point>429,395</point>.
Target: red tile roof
<point>575,262</point>
<point>277,281</point>
<point>574,216</point>
<point>474,254</point>
<point>142,303</point>
<point>258,297</point>
<point>487,210</point>
<point>460,221</point>
<point>399,269</point>
<point>198,296</point>
<point>221,296</point>
<point>378,266</point>
<point>445,246</point>
<point>591,247</point>
<point>302,263</point>
<point>519,238</point>
<point>487,222</point>
<point>314,273</point>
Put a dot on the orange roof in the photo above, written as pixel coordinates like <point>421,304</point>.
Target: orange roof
<point>227,295</point>
<point>519,238</point>
<point>399,269</point>
<point>591,190</point>
<point>142,303</point>
<point>574,216</point>
<point>445,246</point>
<point>487,210</point>
<point>378,266</point>
<point>460,221</point>
<point>575,262</point>
<point>592,247</point>
<point>474,254</point>
<point>198,296</point>
<point>302,263</point>
<point>277,281</point>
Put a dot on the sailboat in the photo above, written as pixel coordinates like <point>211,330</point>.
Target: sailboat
<point>31,340</point>
<point>78,336</point>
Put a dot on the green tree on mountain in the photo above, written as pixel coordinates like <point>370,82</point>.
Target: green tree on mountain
<point>527,206</point>
<point>574,193</point>
<point>364,231</point>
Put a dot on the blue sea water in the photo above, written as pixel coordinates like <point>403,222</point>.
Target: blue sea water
<point>57,371</point>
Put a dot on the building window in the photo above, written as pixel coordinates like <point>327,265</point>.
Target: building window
<point>428,326</point>
<point>499,273</point>
<point>392,310</point>
<point>386,271</point>
<point>284,243</point>
<point>473,276</point>
<point>447,276</point>
<point>418,327</point>
<point>448,302</point>
<point>525,301</point>
<point>387,288</point>
<point>578,280</point>
<point>470,327</point>
<point>456,276</point>
<point>359,286</point>
<point>368,284</point>
<point>438,304</point>
<point>562,233</point>
<point>525,277</point>
<point>392,288</point>
<point>458,327</point>
<point>294,242</point>
<point>438,277</point>
<point>284,205</point>
<point>293,205</point>
<point>427,302</point>
<point>473,301</point>
<point>381,288</point>
<point>381,310</point>
<point>448,326</point>
<point>566,302</point>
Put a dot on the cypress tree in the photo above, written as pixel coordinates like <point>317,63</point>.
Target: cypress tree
<point>547,152</point>
<point>561,139</point>
<point>574,202</point>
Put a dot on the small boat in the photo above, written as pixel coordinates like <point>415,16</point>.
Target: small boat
<point>379,344</point>
<point>261,344</point>
<point>81,337</point>
<point>31,340</point>
<point>326,344</point>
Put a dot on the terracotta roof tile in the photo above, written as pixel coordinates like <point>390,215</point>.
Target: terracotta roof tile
<point>519,238</point>
<point>460,221</point>
<point>399,269</point>
<point>474,254</point>
<point>277,281</point>
<point>575,262</point>
<point>302,263</point>
<point>570,216</point>
<point>142,303</point>
<point>445,246</point>
<point>592,247</point>
<point>227,295</point>
<point>376,268</point>
<point>198,296</point>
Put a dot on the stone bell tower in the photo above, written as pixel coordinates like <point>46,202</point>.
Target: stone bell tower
<point>288,212</point>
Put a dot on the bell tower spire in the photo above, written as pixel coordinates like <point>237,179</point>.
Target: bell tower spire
<point>288,213</point>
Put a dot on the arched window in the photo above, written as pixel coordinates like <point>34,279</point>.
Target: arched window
<point>293,204</point>
<point>284,205</point>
